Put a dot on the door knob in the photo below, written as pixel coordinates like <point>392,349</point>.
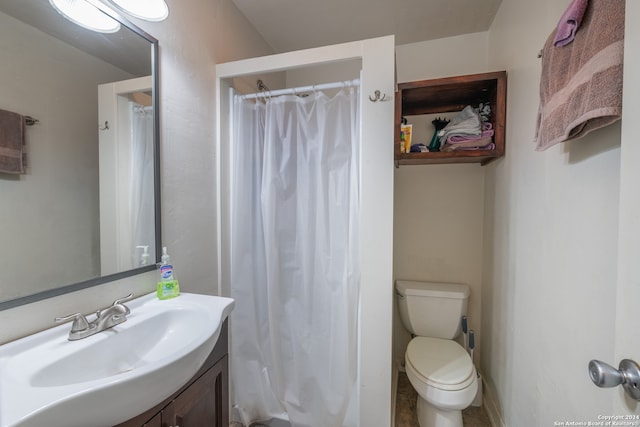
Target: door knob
<point>627,375</point>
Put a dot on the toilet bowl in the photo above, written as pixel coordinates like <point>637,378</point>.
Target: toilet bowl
<point>442,374</point>
<point>438,368</point>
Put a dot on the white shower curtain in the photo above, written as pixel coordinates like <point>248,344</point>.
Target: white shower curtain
<point>294,259</point>
<point>142,179</point>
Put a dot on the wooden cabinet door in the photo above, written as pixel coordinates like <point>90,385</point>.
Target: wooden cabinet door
<point>154,422</point>
<point>138,421</point>
<point>204,403</point>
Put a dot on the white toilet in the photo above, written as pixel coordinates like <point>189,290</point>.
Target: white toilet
<point>439,369</point>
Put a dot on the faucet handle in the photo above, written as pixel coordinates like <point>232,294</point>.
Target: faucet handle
<point>119,301</point>
<point>79,321</point>
<point>123,299</point>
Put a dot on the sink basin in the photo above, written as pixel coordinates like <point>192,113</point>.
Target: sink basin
<point>112,376</point>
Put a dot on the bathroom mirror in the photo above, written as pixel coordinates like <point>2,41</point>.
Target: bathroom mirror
<point>86,212</point>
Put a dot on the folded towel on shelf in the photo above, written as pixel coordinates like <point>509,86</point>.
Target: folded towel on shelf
<point>489,146</point>
<point>471,142</point>
<point>570,22</point>
<point>12,143</point>
<point>459,143</point>
<point>467,122</point>
<point>581,84</point>
<point>457,139</point>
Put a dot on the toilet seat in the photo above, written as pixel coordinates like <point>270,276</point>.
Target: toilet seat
<point>440,363</point>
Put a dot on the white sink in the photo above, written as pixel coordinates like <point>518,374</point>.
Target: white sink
<point>107,378</point>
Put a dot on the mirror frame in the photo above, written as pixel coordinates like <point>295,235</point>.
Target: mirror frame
<point>100,280</point>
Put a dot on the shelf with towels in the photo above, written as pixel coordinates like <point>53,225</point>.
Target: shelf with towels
<point>451,95</point>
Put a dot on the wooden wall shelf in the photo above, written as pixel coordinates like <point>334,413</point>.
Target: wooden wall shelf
<point>448,95</point>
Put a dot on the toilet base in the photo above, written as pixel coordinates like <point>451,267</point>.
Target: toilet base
<point>430,416</point>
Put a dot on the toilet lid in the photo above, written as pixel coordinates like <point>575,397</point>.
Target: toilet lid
<point>440,363</point>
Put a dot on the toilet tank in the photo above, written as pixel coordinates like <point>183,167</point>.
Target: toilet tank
<point>432,309</point>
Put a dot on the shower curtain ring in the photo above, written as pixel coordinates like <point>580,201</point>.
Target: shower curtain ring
<point>376,96</point>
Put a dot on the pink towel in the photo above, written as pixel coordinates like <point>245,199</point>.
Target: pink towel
<point>12,148</point>
<point>570,22</point>
<point>581,84</point>
<point>483,141</point>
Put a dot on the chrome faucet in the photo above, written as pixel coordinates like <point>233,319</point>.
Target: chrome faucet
<point>105,319</point>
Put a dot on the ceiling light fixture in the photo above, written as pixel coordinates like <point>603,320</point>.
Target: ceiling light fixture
<point>86,15</point>
<point>149,10</point>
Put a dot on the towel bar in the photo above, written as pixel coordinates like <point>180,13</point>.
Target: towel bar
<point>30,121</point>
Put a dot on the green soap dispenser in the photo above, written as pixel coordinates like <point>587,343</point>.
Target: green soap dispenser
<point>168,286</point>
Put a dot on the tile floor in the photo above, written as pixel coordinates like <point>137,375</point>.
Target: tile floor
<point>406,408</point>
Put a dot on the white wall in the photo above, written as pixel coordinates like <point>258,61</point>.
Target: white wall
<point>451,56</point>
<point>438,209</point>
<point>49,217</point>
<point>192,40</point>
<point>551,218</point>
<point>327,73</point>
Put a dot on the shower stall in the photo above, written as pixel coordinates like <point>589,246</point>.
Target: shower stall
<point>308,280</point>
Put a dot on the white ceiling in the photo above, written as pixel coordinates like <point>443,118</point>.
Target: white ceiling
<point>299,24</point>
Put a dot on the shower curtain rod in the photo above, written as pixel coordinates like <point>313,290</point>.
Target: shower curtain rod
<point>142,108</point>
<point>300,90</point>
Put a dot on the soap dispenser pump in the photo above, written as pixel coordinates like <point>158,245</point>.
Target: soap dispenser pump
<point>144,258</point>
<point>168,286</point>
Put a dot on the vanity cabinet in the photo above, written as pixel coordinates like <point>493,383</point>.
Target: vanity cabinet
<point>155,421</point>
<point>203,401</point>
<point>450,95</point>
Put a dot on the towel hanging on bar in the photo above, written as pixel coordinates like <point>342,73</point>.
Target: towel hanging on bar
<point>12,143</point>
<point>570,22</point>
<point>581,83</point>
<point>30,121</point>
